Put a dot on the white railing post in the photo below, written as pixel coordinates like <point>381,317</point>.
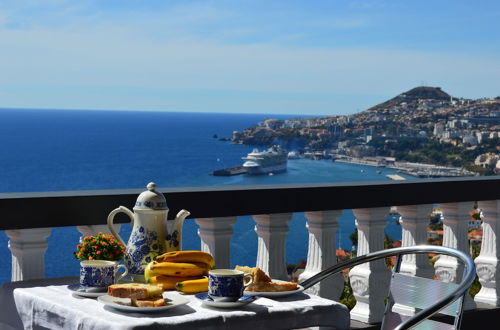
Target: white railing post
<point>215,235</point>
<point>370,281</point>
<point>455,227</point>
<point>95,229</point>
<point>322,226</point>
<point>272,230</point>
<point>28,248</point>
<point>414,221</point>
<point>487,263</point>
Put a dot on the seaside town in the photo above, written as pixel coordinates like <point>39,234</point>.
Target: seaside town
<point>424,132</point>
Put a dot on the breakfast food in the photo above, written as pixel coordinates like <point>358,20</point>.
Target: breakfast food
<point>259,276</point>
<point>263,283</point>
<point>150,302</point>
<point>179,269</point>
<point>168,282</point>
<point>272,287</point>
<point>170,268</point>
<point>188,256</point>
<point>134,290</point>
<point>193,286</point>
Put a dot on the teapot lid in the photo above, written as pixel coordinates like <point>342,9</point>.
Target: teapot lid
<point>151,199</point>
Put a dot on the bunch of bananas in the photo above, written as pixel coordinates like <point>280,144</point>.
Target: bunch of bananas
<point>181,270</point>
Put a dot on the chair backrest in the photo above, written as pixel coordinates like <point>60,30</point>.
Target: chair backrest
<point>411,299</point>
<point>408,294</point>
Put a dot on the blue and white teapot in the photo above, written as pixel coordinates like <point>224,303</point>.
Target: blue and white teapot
<point>150,234</point>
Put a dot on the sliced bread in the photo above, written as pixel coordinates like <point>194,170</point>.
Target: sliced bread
<point>134,290</point>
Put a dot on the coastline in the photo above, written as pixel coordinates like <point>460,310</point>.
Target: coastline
<point>418,170</point>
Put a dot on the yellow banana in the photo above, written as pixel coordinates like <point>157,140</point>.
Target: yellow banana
<point>168,282</point>
<point>187,256</point>
<point>148,272</point>
<point>193,286</point>
<point>178,269</point>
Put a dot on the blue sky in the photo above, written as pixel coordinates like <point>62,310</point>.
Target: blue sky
<point>298,57</point>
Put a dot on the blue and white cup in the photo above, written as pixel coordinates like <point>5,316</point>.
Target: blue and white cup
<point>227,284</point>
<point>99,274</point>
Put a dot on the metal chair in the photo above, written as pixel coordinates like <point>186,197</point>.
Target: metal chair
<point>426,296</point>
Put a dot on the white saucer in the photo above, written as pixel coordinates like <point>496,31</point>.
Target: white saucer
<point>123,304</point>
<point>88,293</point>
<point>206,300</point>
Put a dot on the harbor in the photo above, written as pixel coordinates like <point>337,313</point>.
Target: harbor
<point>417,170</point>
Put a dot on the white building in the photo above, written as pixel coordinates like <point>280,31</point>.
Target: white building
<point>481,135</point>
<point>469,139</point>
<point>438,129</point>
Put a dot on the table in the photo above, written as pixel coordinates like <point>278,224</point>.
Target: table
<point>56,307</point>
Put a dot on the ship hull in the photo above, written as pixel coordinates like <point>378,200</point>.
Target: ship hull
<point>260,170</point>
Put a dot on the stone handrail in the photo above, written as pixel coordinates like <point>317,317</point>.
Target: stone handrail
<point>28,218</point>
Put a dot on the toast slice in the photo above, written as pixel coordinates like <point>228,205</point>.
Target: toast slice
<point>263,283</point>
<point>259,276</point>
<point>150,302</point>
<point>272,287</point>
<point>135,291</point>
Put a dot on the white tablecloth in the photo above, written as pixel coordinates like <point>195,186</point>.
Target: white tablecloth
<point>56,307</point>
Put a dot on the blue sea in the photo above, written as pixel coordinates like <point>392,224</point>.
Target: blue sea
<point>55,150</point>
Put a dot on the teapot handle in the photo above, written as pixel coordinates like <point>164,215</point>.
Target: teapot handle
<point>111,216</point>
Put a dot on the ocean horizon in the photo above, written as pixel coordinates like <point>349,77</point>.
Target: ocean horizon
<point>56,150</point>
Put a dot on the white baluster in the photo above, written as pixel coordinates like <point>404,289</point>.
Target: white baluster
<point>28,248</point>
<point>414,221</point>
<point>322,226</point>
<point>272,230</point>
<point>370,281</point>
<point>215,235</point>
<point>95,229</point>
<point>455,227</point>
<point>488,259</point>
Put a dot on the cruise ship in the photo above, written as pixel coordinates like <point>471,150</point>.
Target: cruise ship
<point>274,160</point>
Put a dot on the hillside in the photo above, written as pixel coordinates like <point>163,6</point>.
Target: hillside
<point>415,94</point>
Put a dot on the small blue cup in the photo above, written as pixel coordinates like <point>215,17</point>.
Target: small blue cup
<point>99,274</point>
<point>227,284</point>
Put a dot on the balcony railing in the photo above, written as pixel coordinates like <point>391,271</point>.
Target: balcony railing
<point>29,217</point>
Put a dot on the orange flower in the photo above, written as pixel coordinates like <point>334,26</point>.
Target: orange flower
<point>99,247</point>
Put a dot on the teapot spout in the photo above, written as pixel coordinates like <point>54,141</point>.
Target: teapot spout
<point>174,238</point>
<point>183,214</point>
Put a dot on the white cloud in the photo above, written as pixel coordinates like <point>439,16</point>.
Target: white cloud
<point>106,56</point>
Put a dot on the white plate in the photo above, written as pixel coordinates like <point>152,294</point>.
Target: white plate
<point>300,288</point>
<point>78,290</point>
<point>206,300</point>
<point>123,304</point>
